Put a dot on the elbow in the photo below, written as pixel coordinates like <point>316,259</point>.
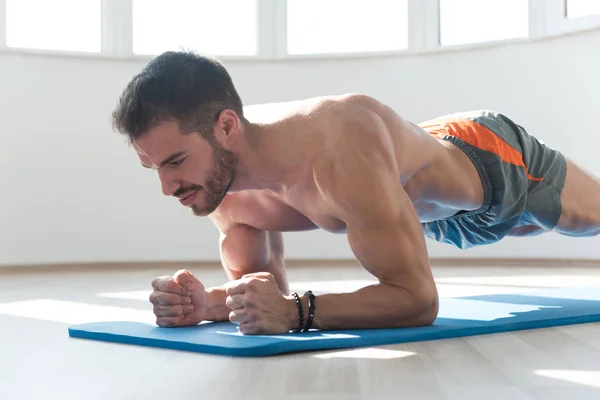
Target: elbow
<point>428,303</point>
<point>427,309</point>
<point>424,307</point>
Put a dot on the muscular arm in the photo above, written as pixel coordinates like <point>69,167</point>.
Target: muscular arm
<point>362,186</point>
<point>245,250</point>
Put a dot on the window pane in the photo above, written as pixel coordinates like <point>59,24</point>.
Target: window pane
<point>223,27</point>
<point>337,26</point>
<point>582,8</point>
<point>475,21</point>
<point>65,25</point>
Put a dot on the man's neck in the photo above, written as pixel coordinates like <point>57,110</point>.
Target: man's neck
<point>263,161</point>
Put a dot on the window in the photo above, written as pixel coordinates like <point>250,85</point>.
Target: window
<point>476,21</point>
<point>223,27</point>
<point>339,26</point>
<point>582,8</point>
<point>64,25</point>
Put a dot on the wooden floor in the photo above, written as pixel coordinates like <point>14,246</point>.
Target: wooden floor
<point>39,361</point>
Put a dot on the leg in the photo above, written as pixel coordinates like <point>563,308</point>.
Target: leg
<point>527,230</point>
<point>580,203</point>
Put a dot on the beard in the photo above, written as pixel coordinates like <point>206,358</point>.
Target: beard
<point>218,184</point>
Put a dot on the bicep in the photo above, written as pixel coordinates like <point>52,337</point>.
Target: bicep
<point>390,243</point>
<point>363,186</point>
<point>245,250</point>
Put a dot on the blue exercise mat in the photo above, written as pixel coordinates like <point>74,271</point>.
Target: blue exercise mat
<point>465,316</point>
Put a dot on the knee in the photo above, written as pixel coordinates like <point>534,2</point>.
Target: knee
<point>579,226</point>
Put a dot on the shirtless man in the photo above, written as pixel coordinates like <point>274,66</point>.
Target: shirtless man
<point>346,164</point>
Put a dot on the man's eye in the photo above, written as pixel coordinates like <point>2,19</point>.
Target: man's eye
<point>176,163</point>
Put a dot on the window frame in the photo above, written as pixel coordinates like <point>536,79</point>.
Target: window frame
<point>547,19</point>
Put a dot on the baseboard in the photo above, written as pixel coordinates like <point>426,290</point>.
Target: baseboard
<point>171,266</point>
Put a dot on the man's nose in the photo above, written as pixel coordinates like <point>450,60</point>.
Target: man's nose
<point>168,184</point>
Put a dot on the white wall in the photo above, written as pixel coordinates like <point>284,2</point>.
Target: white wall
<point>73,191</point>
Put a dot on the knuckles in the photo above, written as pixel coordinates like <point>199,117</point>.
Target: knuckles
<point>159,280</point>
<point>253,284</point>
<point>252,329</point>
<point>173,311</point>
<point>154,297</point>
<point>164,299</point>
<point>165,323</point>
<point>181,272</point>
<point>256,282</point>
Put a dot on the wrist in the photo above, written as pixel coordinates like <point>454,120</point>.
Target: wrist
<point>293,313</point>
<point>298,319</point>
<point>214,304</point>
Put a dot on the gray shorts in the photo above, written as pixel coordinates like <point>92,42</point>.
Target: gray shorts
<point>522,177</point>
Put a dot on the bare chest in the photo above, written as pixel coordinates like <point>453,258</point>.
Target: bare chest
<point>297,211</point>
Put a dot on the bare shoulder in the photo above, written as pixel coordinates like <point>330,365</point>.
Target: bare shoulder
<point>359,117</point>
<point>357,106</point>
<point>360,126</point>
<point>358,161</point>
<point>348,107</point>
<point>364,126</point>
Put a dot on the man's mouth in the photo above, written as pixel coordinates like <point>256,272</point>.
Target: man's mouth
<point>189,199</point>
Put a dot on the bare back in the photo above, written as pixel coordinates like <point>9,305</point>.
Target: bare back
<point>439,179</point>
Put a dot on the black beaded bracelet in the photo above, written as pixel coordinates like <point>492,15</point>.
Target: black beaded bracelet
<point>300,313</point>
<point>311,310</point>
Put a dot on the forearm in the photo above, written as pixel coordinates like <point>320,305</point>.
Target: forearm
<point>246,250</point>
<point>376,306</point>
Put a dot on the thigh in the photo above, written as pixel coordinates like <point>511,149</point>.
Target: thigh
<point>527,230</point>
<point>580,201</point>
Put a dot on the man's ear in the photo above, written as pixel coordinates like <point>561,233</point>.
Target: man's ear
<point>227,127</point>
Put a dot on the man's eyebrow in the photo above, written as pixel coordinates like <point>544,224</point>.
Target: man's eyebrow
<point>168,159</point>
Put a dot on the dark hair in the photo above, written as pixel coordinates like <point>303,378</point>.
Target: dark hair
<point>176,85</point>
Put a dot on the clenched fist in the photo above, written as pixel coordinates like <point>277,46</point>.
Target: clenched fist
<point>178,300</point>
<point>258,306</point>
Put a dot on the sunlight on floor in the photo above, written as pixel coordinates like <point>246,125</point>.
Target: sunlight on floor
<point>587,378</point>
<point>133,295</point>
<point>369,353</point>
<point>70,312</point>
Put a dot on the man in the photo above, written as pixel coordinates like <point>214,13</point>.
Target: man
<point>346,164</point>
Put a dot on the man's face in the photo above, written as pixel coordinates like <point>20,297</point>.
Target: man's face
<point>189,167</point>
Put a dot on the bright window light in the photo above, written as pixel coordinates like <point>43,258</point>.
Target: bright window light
<point>477,21</point>
<point>63,25</point>
<point>224,27</point>
<point>346,26</point>
<point>582,8</point>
